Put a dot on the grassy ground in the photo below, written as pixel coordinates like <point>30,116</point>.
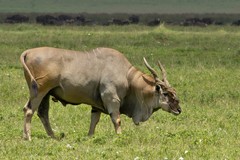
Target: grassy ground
<point>202,64</point>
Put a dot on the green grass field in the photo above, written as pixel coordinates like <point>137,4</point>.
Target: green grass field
<point>203,64</point>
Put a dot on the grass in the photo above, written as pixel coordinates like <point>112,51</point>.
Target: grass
<point>202,64</point>
<point>123,6</point>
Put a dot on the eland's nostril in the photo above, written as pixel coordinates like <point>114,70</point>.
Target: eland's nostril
<point>179,110</point>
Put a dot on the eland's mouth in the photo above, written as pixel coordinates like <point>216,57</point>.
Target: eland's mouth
<point>176,111</point>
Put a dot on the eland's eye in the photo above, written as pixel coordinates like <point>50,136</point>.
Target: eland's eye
<point>165,94</point>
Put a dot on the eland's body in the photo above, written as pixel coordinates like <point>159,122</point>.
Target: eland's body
<point>102,78</point>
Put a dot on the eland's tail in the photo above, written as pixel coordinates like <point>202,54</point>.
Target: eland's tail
<point>33,86</point>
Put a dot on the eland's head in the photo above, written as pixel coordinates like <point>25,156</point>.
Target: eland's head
<point>167,95</point>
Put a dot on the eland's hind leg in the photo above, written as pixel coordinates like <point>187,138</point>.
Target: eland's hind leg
<point>43,115</point>
<point>27,120</point>
<point>29,109</point>
<point>95,116</point>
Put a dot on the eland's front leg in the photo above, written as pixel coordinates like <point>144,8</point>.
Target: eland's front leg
<point>115,117</point>
<point>113,107</point>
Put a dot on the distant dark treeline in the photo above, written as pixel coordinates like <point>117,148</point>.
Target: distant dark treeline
<point>122,19</point>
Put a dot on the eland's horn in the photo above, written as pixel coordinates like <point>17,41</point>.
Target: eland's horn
<point>154,73</point>
<point>164,74</point>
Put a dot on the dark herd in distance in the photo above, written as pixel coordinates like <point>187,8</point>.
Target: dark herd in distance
<point>82,20</point>
<point>78,20</point>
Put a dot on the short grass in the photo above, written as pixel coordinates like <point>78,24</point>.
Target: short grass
<point>203,64</point>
